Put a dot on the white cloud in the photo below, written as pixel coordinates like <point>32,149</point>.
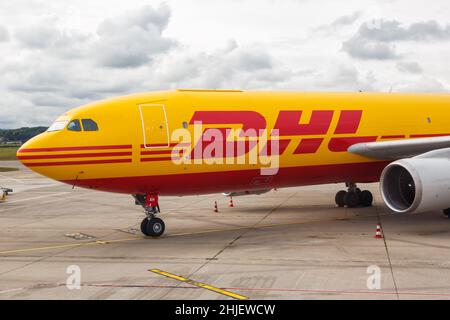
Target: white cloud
<point>388,31</point>
<point>4,34</point>
<point>361,48</point>
<point>231,66</point>
<point>59,68</point>
<point>411,67</point>
<point>347,19</point>
<point>423,84</point>
<point>133,39</point>
<point>58,55</point>
<point>375,39</point>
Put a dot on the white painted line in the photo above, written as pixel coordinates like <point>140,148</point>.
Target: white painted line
<point>40,197</point>
<point>44,202</point>
<point>9,178</point>
<point>11,290</point>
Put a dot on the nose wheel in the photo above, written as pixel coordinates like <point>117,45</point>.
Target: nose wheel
<point>151,225</point>
<point>353,197</point>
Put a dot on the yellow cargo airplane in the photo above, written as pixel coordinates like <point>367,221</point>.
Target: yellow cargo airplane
<point>181,143</point>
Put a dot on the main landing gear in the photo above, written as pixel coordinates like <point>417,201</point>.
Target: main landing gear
<point>353,197</point>
<point>151,225</point>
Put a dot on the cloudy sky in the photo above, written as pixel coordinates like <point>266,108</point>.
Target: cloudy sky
<point>56,55</point>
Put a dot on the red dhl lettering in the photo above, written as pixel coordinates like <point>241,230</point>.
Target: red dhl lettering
<point>287,123</point>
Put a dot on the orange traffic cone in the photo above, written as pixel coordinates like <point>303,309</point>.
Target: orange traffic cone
<point>231,202</point>
<point>215,207</point>
<point>378,232</point>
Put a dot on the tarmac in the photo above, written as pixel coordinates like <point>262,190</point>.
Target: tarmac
<point>62,243</point>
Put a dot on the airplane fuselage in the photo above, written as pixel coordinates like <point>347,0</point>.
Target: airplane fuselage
<point>134,148</point>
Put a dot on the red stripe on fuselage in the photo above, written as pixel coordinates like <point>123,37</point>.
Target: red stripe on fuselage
<point>71,163</point>
<point>75,155</point>
<point>143,153</point>
<point>238,180</point>
<point>158,159</point>
<point>78,148</point>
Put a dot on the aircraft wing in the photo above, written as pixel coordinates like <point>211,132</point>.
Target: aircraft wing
<point>398,149</point>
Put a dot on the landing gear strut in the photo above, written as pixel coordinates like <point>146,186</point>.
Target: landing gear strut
<point>151,225</point>
<point>353,197</point>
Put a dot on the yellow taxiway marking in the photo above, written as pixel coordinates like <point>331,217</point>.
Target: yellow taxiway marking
<point>199,284</point>
<point>97,242</point>
<point>102,242</point>
<point>243,228</point>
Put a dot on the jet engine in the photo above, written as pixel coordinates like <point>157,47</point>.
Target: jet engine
<point>417,184</point>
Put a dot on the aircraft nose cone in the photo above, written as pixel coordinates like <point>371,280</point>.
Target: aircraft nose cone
<point>25,153</point>
<point>22,151</point>
<point>18,153</point>
<point>40,154</point>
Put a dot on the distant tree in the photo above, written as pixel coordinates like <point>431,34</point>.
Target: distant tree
<point>20,134</point>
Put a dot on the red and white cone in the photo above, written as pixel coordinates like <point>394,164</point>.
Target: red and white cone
<point>231,205</point>
<point>378,232</point>
<point>215,207</point>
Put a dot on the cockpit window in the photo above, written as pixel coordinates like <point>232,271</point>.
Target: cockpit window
<point>57,125</point>
<point>89,125</point>
<point>74,125</point>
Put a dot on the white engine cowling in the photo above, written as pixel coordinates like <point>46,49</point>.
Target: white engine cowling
<point>417,184</point>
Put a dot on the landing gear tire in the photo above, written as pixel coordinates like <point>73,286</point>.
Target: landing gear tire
<point>339,198</point>
<point>366,198</point>
<point>155,227</point>
<point>354,197</point>
<point>351,199</point>
<point>144,224</point>
<point>151,225</point>
<point>447,212</point>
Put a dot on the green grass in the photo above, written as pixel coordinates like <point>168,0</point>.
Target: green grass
<point>4,169</point>
<point>8,152</point>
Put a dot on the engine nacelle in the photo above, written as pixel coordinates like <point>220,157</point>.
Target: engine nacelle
<point>245,193</point>
<point>417,184</point>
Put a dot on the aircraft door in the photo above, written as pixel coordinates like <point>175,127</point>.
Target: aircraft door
<point>154,125</point>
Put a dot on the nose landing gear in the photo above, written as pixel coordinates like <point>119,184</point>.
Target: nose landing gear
<point>150,225</point>
<point>153,227</point>
<point>353,197</point>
